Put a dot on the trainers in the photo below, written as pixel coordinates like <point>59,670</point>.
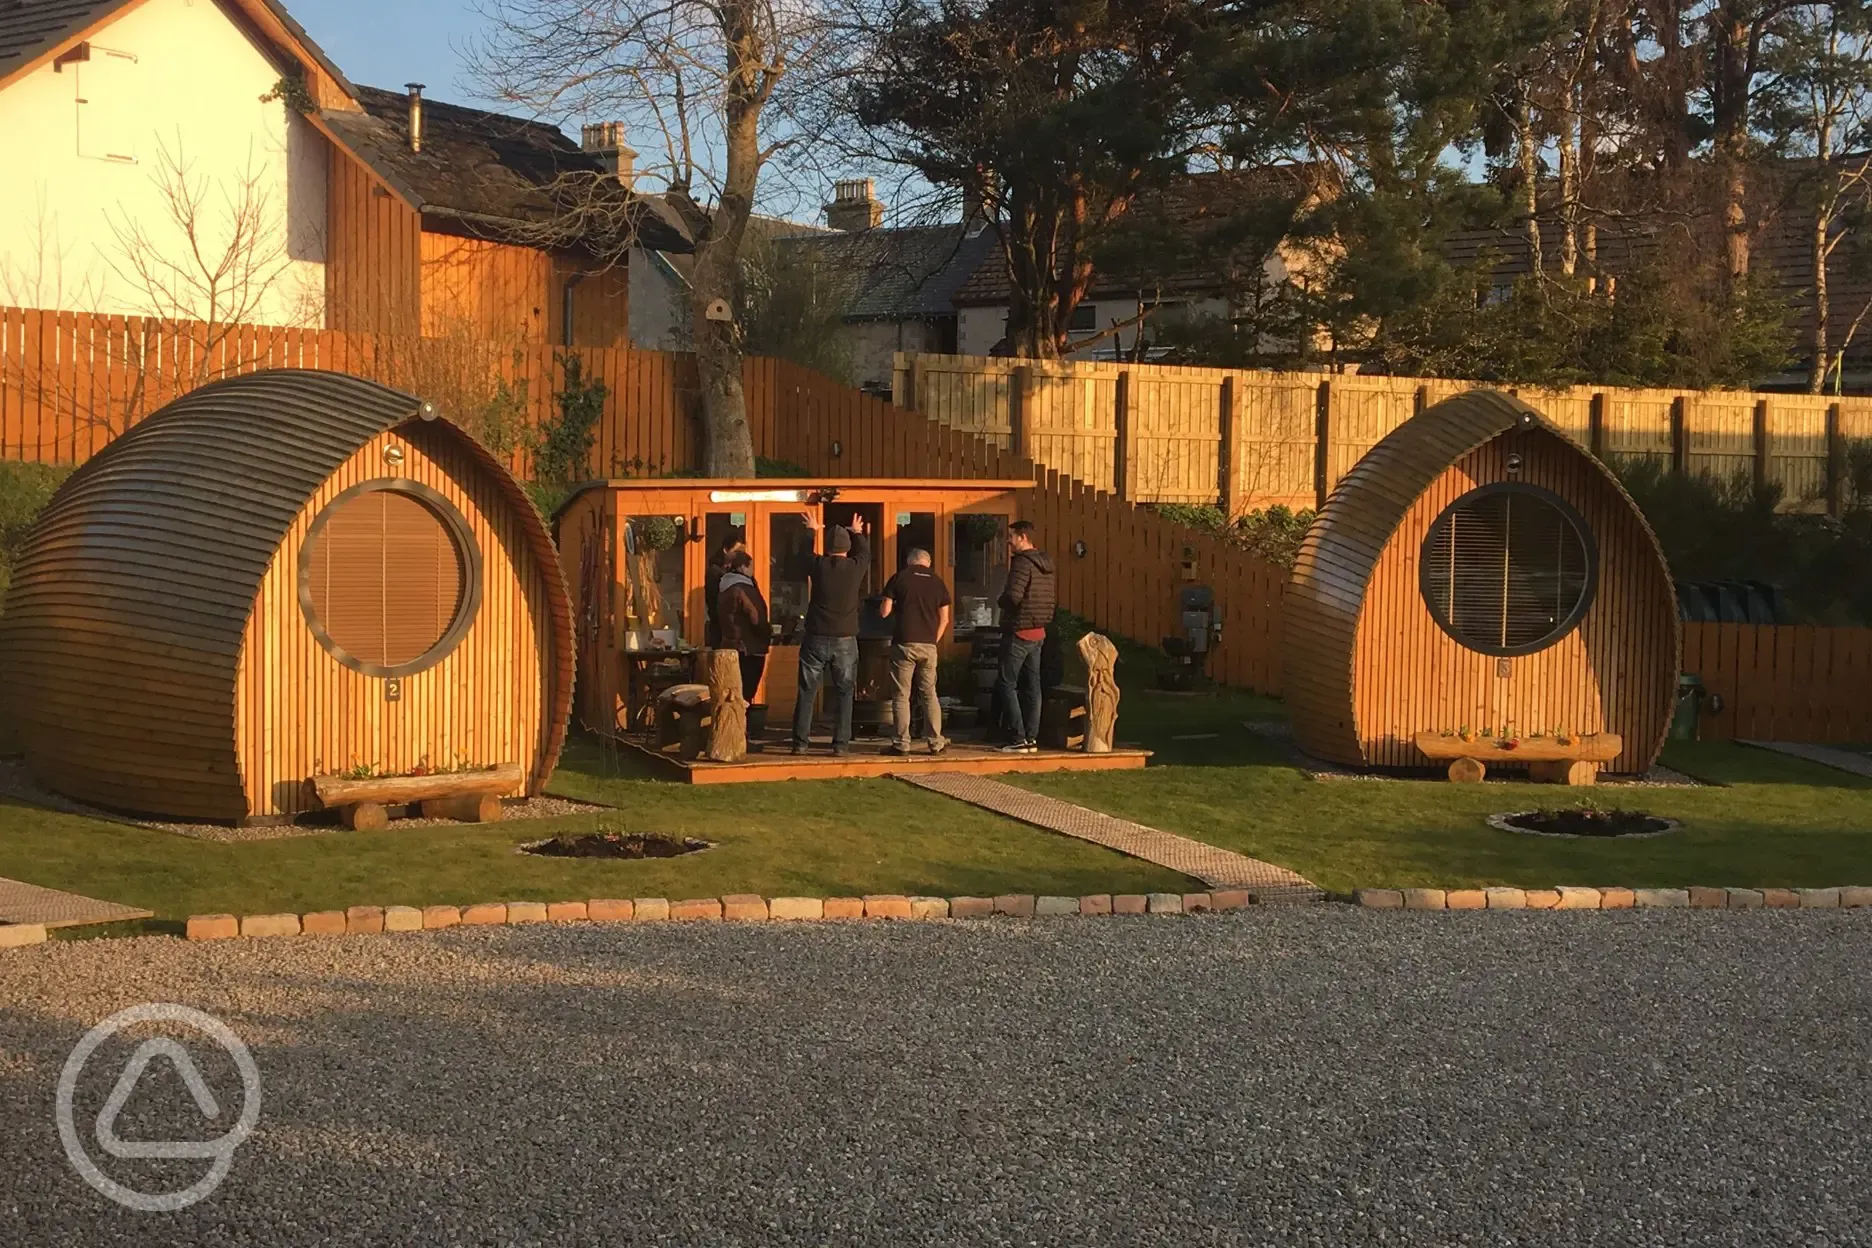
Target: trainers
<point>1014,747</point>
<point>936,747</point>
<point>841,750</point>
<point>798,748</point>
<point>897,751</point>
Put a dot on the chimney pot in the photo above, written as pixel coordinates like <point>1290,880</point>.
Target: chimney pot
<point>605,141</point>
<point>855,205</point>
<point>415,115</point>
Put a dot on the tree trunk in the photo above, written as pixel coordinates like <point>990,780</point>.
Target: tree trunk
<point>1729,108</point>
<point>1824,206</point>
<point>1569,196</point>
<point>1530,182</point>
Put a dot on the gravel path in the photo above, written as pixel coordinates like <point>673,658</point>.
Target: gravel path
<point>1316,1076</point>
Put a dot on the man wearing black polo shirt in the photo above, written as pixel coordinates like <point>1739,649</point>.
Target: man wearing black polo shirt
<point>828,650</point>
<point>918,602</point>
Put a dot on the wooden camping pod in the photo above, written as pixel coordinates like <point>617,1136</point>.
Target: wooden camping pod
<point>1388,617</point>
<point>283,575</point>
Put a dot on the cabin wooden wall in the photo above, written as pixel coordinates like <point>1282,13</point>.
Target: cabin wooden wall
<point>1615,672</point>
<point>299,712</point>
<point>506,294</point>
<point>373,254</point>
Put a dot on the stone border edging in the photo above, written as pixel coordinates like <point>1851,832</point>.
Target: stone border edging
<point>1569,897</point>
<point>733,908</point>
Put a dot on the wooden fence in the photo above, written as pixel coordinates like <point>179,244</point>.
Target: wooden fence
<point>1246,439</point>
<point>1783,682</point>
<point>69,383</point>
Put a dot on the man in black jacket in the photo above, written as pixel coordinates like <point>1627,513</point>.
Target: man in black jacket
<point>829,640</point>
<point>1026,609</point>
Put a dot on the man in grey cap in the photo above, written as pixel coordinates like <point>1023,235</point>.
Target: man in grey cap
<point>829,640</point>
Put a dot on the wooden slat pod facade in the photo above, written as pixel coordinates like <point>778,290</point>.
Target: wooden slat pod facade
<point>130,655</point>
<point>1366,665</point>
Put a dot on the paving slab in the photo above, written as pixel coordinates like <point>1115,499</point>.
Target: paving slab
<point>29,903</point>
<point>1218,868</point>
<point>1825,755</point>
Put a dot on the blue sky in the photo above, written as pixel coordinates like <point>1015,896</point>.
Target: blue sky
<point>386,43</point>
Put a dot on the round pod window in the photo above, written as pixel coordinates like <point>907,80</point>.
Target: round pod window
<point>389,578</point>
<point>1509,569</point>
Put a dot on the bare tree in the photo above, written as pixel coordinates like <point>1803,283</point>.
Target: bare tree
<point>704,79</point>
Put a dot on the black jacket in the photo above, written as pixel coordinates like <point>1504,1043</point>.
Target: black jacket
<point>1031,595</point>
<point>837,589</point>
<point>741,615</point>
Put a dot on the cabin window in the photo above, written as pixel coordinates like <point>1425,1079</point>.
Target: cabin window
<point>387,578</point>
<point>789,561</point>
<point>980,568</point>
<point>653,580</point>
<point>1508,569</point>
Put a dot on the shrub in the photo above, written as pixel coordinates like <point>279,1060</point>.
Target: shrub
<point>25,489</point>
<point>1274,534</point>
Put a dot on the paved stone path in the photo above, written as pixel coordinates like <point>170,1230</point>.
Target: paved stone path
<point>1826,756</point>
<point>28,903</point>
<point>1218,868</point>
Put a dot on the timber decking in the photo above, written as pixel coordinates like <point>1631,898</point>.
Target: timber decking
<point>868,761</point>
<point>1218,868</point>
<point>29,903</point>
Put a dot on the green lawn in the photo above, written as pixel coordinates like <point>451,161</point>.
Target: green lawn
<point>825,838</point>
<point>1779,822</point>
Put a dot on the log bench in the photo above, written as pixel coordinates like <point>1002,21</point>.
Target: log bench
<point>1548,761</point>
<point>682,720</point>
<point>470,796</point>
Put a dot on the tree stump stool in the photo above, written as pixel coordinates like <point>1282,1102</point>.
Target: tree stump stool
<point>727,739</point>
<point>682,719</point>
<point>1063,719</point>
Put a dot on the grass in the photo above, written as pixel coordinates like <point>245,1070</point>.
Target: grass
<point>824,838</point>
<point>1780,822</point>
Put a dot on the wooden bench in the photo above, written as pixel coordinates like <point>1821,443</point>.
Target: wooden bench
<point>1548,760</point>
<point>470,796</point>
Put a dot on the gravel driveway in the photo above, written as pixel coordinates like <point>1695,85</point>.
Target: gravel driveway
<point>1323,1076</point>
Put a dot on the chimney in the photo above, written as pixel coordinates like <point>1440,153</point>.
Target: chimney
<point>855,205</point>
<point>415,115</point>
<point>605,141</point>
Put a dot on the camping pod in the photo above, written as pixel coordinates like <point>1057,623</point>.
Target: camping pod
<point>1478,571</point>
<point>280,576</point>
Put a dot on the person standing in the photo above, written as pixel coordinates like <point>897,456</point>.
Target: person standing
<point>917,602</point>
<point>1027,604</point>
<point>741,615</point>
<point>718,565</point>
<point>829,640</point>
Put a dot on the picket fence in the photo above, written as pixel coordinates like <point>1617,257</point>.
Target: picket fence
<point>1247,439</point>
<point>1782,682</point>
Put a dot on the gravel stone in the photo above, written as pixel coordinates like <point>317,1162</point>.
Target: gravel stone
<point>1305,1076</point>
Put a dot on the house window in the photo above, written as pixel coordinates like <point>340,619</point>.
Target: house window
<point>388,578</point>
<point>1084,318</point>
<point>108,108</point>
<point>1508,569</point>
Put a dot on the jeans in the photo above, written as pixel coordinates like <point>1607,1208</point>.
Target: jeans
<point>1019,688</point>
<point>820,658</point>
<point>915,661</point>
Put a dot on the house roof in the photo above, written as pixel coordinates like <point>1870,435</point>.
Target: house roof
<point>29,29</point>
<point>496,176</point>
<point>899,274</point>
<point>1192,206</point>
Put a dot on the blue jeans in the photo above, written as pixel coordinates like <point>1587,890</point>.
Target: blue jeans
<point>1019,688</point>
<point>819,658</point>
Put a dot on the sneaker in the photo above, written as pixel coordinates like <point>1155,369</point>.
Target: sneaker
<point>798,748</point>
<point>1014,747</point>
<point>1030,747</point>
<point>936,747</point>
<point>841,750</point>
<point>897,751</point>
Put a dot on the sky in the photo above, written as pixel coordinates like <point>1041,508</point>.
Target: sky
<point>386,43</point>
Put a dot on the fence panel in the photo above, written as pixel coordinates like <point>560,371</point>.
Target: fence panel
<point>1783,682</point>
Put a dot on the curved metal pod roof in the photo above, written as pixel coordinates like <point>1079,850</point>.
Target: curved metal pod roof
<point>1327,593</point>
<point>124,623</point>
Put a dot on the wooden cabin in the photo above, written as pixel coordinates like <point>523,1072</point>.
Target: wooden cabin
<point>1478,570</point>
<point>635,554</point>
<point>281,576</point>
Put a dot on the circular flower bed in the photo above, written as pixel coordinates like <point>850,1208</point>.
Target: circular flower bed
<point>615,845</point>
<point>1584,821</point>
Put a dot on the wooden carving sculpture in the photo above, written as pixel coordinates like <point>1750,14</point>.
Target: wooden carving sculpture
<point>1101,657</point>
<point>727,708</point>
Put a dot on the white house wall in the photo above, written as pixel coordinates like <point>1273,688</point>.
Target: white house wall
<point>84,148</point>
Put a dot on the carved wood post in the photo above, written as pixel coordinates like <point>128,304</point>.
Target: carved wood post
<point>1101,657</point>
<point>727,707</point>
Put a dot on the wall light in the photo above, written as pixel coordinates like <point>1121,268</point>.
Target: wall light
<point>1079,549</point>
<point>838,448</point>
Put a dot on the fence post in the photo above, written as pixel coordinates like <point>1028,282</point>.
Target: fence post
<point>1595,425</point>
<point>1835,463</point>
<point>1228,488</point>
<point>1761,443</point>
<point>1322,445</point>
<point>1020,420</point>
<point>1121,447</point>
<point>1680,435</point>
